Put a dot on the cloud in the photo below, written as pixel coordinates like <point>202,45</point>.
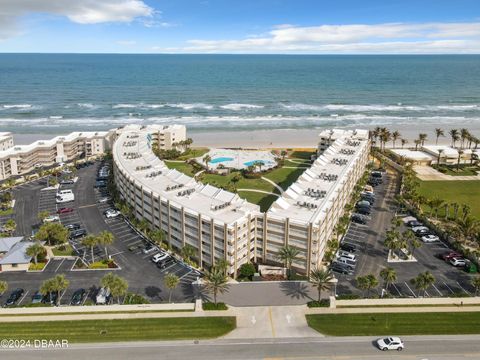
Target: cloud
<point>78,11</point>
<point>355,38</point>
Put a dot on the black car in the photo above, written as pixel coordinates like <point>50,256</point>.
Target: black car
<point>364,211</point>
<point>72,227</point>
<point>375,181</point>
<point>50,298</point>
<point>339,268</point>
<point>370,199</point>
<point>162,264</point>
<point>77,297</point>
<point>414,223</point>
<point>359,219</point>
<point>100,184</point>
<point>348,247</point>
<point>78,233</point>
<point>14,297</point>
<point>376,174</point>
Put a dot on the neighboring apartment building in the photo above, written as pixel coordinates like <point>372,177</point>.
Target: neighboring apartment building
<point>219,224</point>
<point>164,136</point>
<point>22,159</point>
<point>6,141</point>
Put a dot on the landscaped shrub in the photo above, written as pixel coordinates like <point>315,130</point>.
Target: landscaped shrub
<point>212,306</point>
<point>247,270</point>
<point>133,299</point>
<point>321,303</point>
<point>348,297</point>
<point>38,305</point>
<point>36,267</point>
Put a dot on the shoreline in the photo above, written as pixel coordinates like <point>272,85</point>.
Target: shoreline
<point>274,138</point>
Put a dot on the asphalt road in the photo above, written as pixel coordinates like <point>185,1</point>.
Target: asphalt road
<point>419,347</point>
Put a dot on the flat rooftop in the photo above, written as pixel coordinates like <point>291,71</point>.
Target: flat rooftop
<point>132,152</point>
<point>308,199</point>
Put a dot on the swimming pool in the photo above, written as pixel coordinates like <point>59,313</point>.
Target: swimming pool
<point>252,162</point>
<point>220,159</point>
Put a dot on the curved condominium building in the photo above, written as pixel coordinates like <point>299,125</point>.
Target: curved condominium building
<point>221,225</point>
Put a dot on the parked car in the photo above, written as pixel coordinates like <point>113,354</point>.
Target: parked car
<point>50,298</point>
<point>100,184</point>
<point>77,297</point>
<point>348,247</point>
<point>67,182</point>
<point>37,297</point>
<point>390,343</point>
<point>105,199</point>
<point>159,257</point>
<point>162,264</point>
<point>51,218</point>
<point>103,296</point>
<point>421,233</point>
<point>451,254</point>
<point>65,210</point>
<point>78,233</point>
<point>359,218</point>
<point>149,248</point>
<point>364,203</point>
<point>414,223</point>
<point>363,211</point>
<point>339,268</point>
<point>345,261</point>
<point>430,238</point>
<point>370,199</point>
<point>112,213</point>
<point>376,174</point>
<point>458,262</point>
<point>71,227</point>
<point>15,295</point>
<point>418,229</point>
<point>345,254</point>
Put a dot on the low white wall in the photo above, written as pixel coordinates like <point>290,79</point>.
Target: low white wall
<point>408,301</point>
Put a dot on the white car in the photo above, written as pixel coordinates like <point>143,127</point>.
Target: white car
<point>455,261</point>
<point>420,228</point>
<point>159,257</point>
<point>430,238</point>
<point>346,255</point>
<point>390,343</point>
<point>51,218</point>
<point>104,200</point>
<point>112,213</point>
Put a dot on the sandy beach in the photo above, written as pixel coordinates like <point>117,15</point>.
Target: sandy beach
<point>277,138</point>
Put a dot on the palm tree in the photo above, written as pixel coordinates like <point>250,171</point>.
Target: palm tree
<point>438,132</point>
<point>35,250</point>
<point>423,281</point>
<point>188,251</point>
<point>157,236</point>
<point>171,282</point>
<point>90,241</point>
<point>475,283</point>
<point>456,207</point>
<point>464,134</point>
<point>10,226</point>
<point>258,164</point>
<point>414,244</point>
<point>422,138</point>
<point>118,286</point>
<point>206,159</point>
<point>469,227</point>
<point>385,136</point>
<point>42,215</point>
<point>321,279</point>
<point>460,153</point>
<point>466,209</point>
<point>395,136</point>
<point>417,142</point>
<point>367,282</point>
<point>454,135</point>
<point>56,285</point>
<point>435,205</point>
<point>439,157</point>
<point>403,142</point>
<point>217,282</point>
<point>389,276</point>
<point>106,238</point>
<point>283,153</point>
<point>287,255</point>
<point>3,287</point>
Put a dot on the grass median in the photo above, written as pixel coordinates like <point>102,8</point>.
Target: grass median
<point>89,331</point>
<point>444,323</point>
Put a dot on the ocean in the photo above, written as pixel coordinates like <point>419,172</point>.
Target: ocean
<point>58,93</point>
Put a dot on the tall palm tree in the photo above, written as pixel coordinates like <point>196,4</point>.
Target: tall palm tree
<point>3,287</point>
<point>435,205</point>
<point>439,156</point>
<point>54,285</point>
<point>423,281</point>
<point>417,142</point>
<point>117,285</point>
<point>460,153</point>
<point>475,283</point>
<point>171,282</point>
<point>206,159</point>
<point>403,142</point>
<point>90,241</point>
<point>157,236</point>
<point>287,255</point>
<point>422,137</point>
<point>466,210</point>
<point>389,276</point>
<point>469,227</point>
<point>367,282</point>
<point>464,135</point>
<point>438,132</point>
<point>321,279</point>
<point>454,135</point>
<point>217,282</point>
<point>106,238</point>
<point>395,136</point>
<point>188,251</point>
<point>35,250</point>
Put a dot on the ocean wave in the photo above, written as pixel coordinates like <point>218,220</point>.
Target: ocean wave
<point>239,107</point>
<point>55,117</point>
<point>17,106</point>
<point>377,107</point>
<point>88,106</point>
<point>193,106</point>
<point>124,106</point>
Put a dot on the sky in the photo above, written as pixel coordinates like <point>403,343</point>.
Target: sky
<point>241,26</point>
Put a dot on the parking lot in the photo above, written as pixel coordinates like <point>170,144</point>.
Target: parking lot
<point>136,267</point>
<point>372,254</point>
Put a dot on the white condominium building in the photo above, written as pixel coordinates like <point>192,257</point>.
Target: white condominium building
<point>22,159</point>
<point>6,141</point>
<point>308,211</point>
<point>164,136</point>
<point>217,223</point>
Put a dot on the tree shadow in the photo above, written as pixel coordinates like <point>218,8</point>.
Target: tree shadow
<point>296,290</point>
<point>153,292</point>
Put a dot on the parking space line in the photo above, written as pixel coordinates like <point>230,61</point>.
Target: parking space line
<point>398,291</point>
<point>58,267</point>
<point>461,287</point>
<point>181,277</point>
<point>23,297</point>
<point>86,297</point>
<point>448,287</point>
<point>440,293</point>
<point>61,296</point>
<point>408,287</point>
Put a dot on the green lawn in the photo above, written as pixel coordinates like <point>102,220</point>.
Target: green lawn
<point>6,212</point>
<point>182,167</point>
<point>396,323</point>
<point>264,200</point>
<point>284,176</point>
<point>298,163</point>
<point>193,153</point>
<point>302,153</point>
<point>65,250</point>
<point>82,331</point>
<point>461,192</point>
<point>463,170</point>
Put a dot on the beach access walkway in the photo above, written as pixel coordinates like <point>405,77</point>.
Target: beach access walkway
<point>427,173</point>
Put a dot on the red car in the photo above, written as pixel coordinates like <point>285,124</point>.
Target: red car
<point>65,210</point>
<point>451,255</point>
